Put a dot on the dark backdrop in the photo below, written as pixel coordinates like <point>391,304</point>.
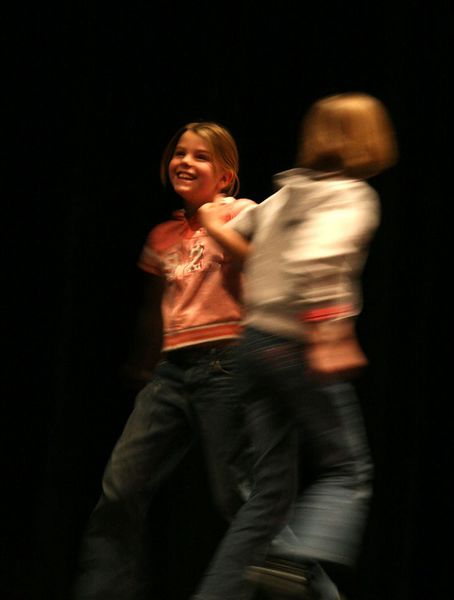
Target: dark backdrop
<point>93,94</point>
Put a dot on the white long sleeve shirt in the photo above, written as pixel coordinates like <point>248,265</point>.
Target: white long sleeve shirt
<point>310,244</point>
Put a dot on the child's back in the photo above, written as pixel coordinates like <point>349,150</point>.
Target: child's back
<point>310,242</point>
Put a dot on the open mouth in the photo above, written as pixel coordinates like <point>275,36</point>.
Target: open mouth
<point>185,176</point>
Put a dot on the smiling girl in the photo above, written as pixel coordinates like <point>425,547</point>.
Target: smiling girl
<point>192,321</point>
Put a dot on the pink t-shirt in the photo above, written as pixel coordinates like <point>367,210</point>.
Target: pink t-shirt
<point>202,297</point>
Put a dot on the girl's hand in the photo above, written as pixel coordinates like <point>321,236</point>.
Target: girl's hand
<point>333,351</point>
<point>211,214</point>
<point>343,359</point>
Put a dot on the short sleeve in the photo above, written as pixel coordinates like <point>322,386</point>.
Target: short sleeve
<point>149,259</point>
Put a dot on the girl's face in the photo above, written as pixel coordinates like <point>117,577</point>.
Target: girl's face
<point>193,172</point>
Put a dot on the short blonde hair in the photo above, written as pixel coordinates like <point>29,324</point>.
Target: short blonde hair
<point>350,132</point>
<point>222,145</point>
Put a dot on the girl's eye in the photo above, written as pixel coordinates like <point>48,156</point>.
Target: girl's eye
<point>203,157</point>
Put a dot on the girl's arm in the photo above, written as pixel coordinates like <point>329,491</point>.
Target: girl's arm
<point>211,217</point>
<point>324,261</point>
<point>333,349</point>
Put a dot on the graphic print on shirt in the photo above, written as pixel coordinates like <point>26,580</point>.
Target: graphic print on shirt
<point>176,266</point>
<point>195,259</point>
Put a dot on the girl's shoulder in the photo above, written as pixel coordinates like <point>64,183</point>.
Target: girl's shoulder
<point>167,230</point>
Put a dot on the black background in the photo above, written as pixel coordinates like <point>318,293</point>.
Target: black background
<point>93,92</point>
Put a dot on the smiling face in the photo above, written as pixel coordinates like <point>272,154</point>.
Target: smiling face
<point>194,173</point>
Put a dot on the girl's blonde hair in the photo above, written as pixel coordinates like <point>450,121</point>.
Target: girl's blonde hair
<point>350,132</point>
<point>222,145</point>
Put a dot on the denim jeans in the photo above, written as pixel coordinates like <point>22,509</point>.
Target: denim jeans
<point>287,414</point>
<point>190,395</point>
<point>329,516</point>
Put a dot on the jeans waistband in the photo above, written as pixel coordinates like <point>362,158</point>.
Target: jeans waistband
<point>194,353</point>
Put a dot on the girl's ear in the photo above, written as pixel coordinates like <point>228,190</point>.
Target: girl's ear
<point>226,179</point>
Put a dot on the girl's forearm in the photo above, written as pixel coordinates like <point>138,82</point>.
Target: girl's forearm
<point>230,240</point>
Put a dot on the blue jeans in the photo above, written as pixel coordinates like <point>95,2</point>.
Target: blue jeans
<point>288,413</point>
<point>309,533</point>
<point>190,395</point>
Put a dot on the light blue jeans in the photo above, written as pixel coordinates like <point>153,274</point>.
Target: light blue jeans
<point>291,418</point>
<point>328,516</point>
